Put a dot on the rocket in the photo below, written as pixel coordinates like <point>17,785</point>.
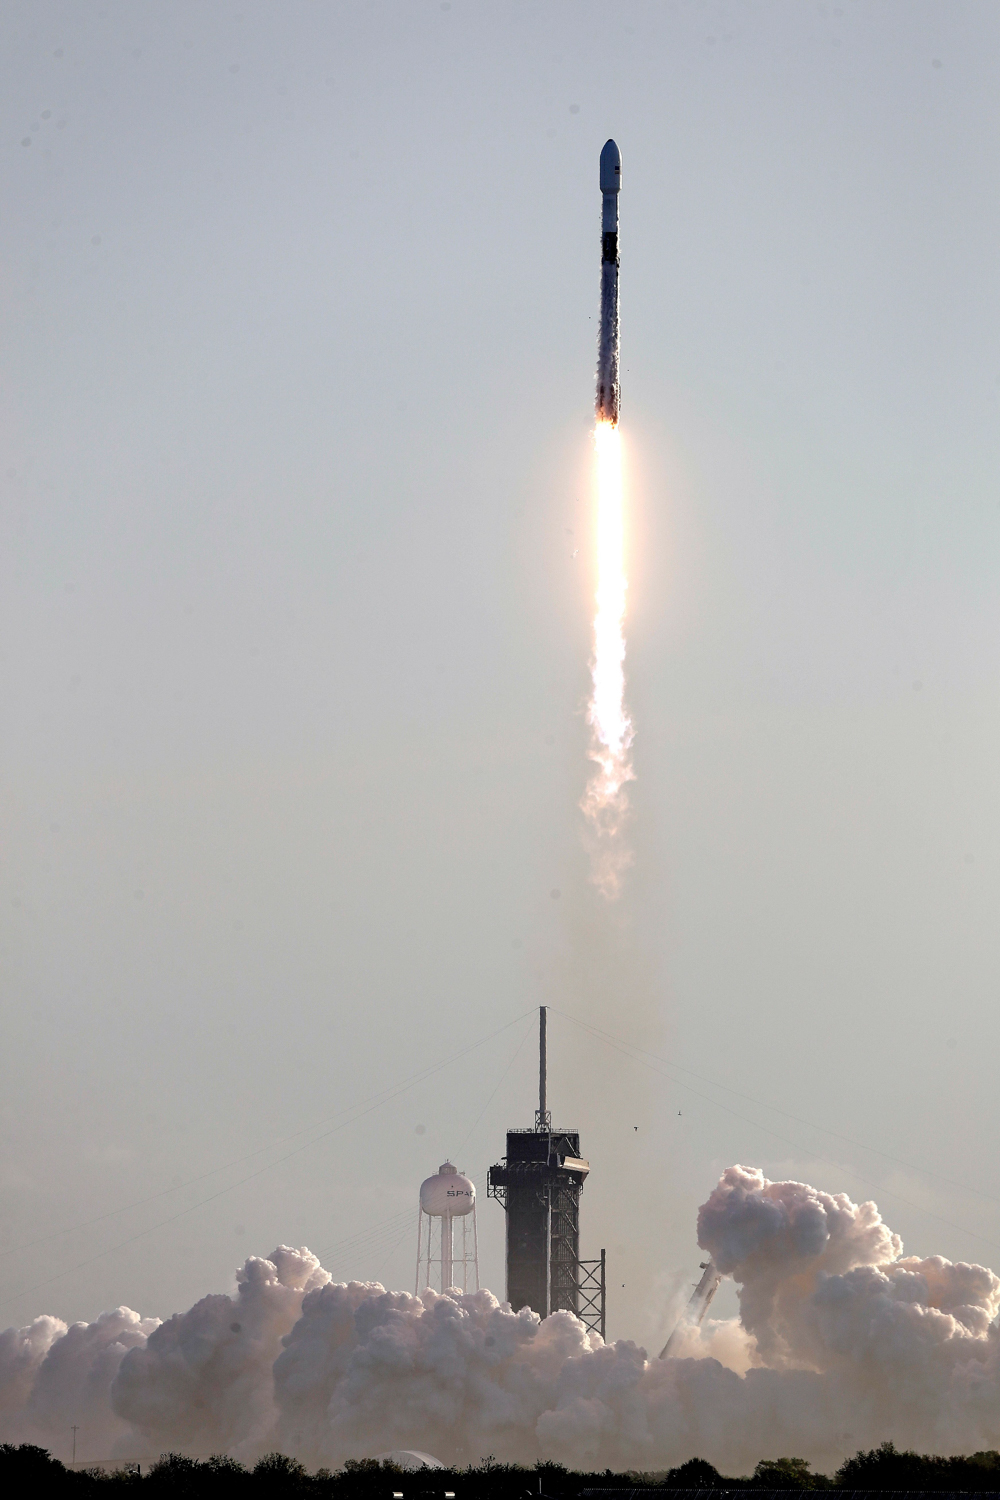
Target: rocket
<point>608,395</point>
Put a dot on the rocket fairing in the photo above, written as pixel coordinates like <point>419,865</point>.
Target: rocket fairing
<point>608,396</point>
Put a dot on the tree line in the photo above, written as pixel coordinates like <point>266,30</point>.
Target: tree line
<point>26,1470</point>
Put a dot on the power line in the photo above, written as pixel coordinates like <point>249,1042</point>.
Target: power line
<point>383,1097</point>
<point>503,1075</point>
<point>339,1247</point>
<point>629,1049</point>
<point>776,1109</point>
<point>372,1239</point>
<point>392,1250</point>
<point>279,1161</point>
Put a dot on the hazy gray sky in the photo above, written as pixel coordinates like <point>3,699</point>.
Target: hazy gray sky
<point>298,319</point>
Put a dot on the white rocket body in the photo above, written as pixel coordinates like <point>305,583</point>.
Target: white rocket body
<point>608,395</point>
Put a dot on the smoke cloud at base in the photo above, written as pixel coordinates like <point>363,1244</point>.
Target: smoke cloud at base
<point>841,1342</point>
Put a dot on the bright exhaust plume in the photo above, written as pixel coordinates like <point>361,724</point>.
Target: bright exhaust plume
<point>605,802</point>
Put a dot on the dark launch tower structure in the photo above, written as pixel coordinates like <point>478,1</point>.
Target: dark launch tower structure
<point>539,1183</point>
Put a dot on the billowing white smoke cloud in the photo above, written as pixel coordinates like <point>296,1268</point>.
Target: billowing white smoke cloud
<point>366,1370</point>
<point>22,1351</point>
<point>841,1342</point>
<point>52,1376</point>
<point>862,1343</point>
<point>74,1380</point>
<point>202,1383</point>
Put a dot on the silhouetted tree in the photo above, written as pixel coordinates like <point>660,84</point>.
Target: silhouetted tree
<point>175,1474</point>
<point>277,1474</point>
<point>26,1470</point>
<point>25,1465</point>
<point>782,1474</point>
<point>696,1474</point>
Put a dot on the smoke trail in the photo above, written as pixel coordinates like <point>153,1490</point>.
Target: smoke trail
<point>842,1342</point>
<point>605,802</point>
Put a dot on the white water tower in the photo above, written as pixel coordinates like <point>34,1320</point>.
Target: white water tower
<point>447,1204</point>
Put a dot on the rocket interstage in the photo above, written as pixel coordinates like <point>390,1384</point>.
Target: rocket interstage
<point>608,395</point>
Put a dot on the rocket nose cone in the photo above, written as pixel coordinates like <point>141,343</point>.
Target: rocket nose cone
<point>611,168</point>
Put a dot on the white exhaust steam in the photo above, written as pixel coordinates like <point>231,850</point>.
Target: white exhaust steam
<point>841,1343</point>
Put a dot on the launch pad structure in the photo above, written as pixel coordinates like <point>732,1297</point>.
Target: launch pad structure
<point>538,1184</point>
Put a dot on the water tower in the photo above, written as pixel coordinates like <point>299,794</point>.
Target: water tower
<point>444,1198</point>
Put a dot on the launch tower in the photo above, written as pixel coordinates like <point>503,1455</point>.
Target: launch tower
<point>539,1183</point>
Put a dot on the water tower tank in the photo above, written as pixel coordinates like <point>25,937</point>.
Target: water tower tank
<point>447,1209</point>
<point>447,1192</point>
